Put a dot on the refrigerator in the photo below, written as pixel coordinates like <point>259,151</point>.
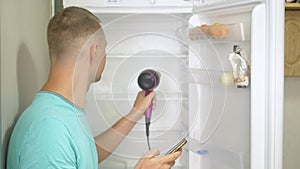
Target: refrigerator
<point>227,126</point>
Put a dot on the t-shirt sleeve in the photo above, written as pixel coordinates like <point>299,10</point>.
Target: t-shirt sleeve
<point>48,145</point>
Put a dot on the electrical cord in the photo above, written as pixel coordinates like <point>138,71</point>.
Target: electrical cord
<point>148,143</point>
<point>147,133</point>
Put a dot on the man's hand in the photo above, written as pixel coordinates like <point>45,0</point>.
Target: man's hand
<point>141,104</point>
<point>152,161</point>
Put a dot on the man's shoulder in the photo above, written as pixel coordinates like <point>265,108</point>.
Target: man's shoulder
<point>43,128</point>
<point>49,106</point>
<point>46,140</point>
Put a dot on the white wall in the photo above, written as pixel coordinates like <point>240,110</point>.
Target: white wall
<point>24,58</point>
<point>291,141</point>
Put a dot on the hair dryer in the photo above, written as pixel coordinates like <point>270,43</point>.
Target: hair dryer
<point>148,80</point>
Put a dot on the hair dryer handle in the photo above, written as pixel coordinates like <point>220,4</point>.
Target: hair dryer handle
<point>148,112</point>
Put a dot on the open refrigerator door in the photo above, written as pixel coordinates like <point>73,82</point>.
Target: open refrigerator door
<point>221,37</point>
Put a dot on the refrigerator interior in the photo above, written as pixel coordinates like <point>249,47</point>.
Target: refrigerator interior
<point>192,99</point>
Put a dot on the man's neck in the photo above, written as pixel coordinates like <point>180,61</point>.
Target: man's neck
<point>66,85</point>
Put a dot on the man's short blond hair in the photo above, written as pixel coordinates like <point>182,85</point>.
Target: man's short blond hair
<point>69,26</point>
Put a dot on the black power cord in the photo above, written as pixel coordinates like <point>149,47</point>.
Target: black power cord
<point>147,133</point>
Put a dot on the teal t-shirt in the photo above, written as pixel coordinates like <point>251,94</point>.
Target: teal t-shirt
<point>52,133</point>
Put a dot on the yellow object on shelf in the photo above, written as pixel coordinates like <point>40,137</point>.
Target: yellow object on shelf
<point>227,79</point>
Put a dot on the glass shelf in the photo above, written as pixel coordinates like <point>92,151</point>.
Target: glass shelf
<point>167,96</point>
<point>124,55</point>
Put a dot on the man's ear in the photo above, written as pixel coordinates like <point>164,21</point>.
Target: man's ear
<point>93,52</point>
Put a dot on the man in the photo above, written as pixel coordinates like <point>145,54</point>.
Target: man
<point>53,131</point>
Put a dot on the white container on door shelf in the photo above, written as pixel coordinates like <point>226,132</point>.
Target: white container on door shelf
<point>133,6</point>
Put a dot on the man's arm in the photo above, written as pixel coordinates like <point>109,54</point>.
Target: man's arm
<point>109,140</point>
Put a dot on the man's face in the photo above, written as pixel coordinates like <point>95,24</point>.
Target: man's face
<point>101,65</point>
<point>101,56</point>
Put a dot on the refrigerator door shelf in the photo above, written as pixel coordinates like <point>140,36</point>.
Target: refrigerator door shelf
<point>219,33</point>
<point>214,80</point>
<point>213,156</point>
